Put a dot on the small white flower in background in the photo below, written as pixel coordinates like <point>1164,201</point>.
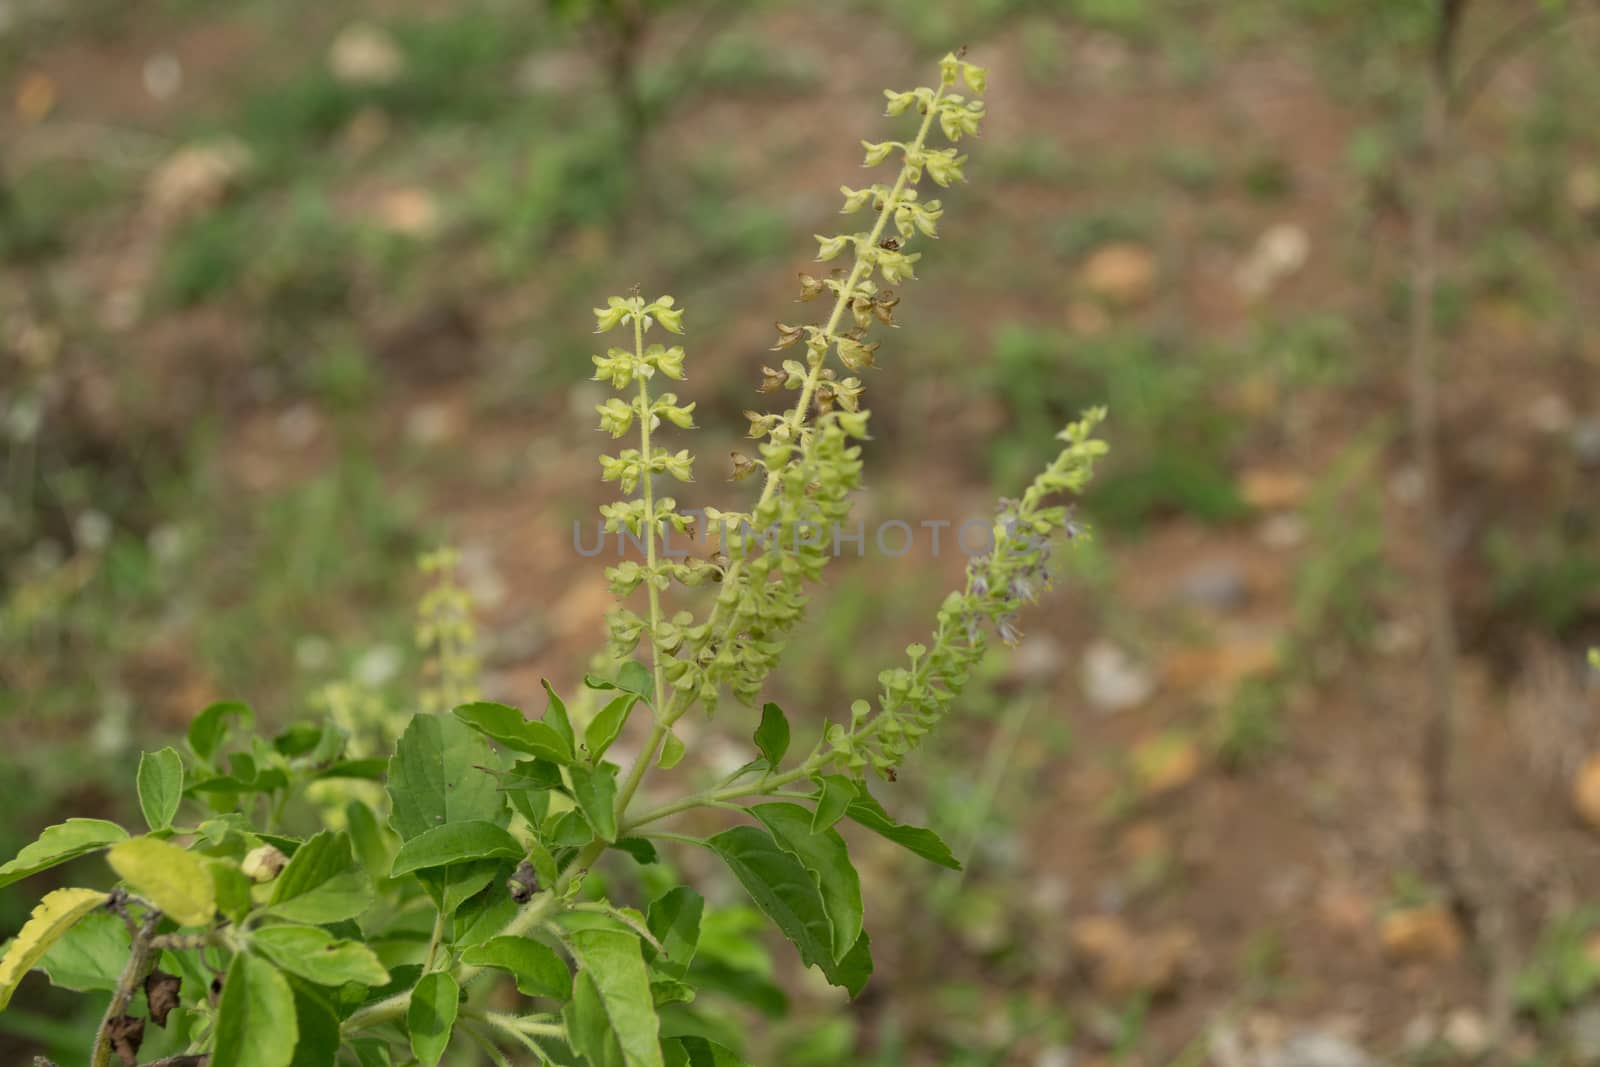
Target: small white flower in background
<point>169,543</point>
<point>91,530</point>
<point>379,666</point>
<point>163,76</point>
<point>312,653</point>
<point>22,419</point>
<point>111,736</point>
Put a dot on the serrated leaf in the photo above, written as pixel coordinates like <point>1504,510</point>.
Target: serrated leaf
<point>52,917</point>
<point>674,920</point>
<point>614,972</point>
<point>256,1022</point>
<point>834,800</point>
<point>317,956</point>
<point>538,971</point>
<point>607,725</point>
<point>772,735</point>
<point>782,888</point>
<point>321,883</point>
<point>595,790</point>
<point>506,725</point>
<point>60,843</point>
<point>434,777</point>
<point>431,1016</point>
<point>160,782</point>
<point>91,956</point>
<point>210,727</point>
<point>456,842</point>
<point>827,859</point>
<point>174,880</point>
<point>925,843</point>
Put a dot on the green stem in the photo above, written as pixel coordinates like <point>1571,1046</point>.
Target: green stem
<point>434,942</point>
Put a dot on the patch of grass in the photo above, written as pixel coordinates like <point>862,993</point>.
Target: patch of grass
<point>1250,726</point>
<point>1563,972</point>
<point>1339,588</point>
<point>1552,578</point>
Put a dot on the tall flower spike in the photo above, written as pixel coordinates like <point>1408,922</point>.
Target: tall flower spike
<point>647,516</point>
<point>1014,572</point>
<point>809,462</point>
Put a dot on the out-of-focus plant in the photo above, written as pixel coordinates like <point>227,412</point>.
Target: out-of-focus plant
<point>402,932</point>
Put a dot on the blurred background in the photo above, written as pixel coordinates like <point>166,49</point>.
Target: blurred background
<point>293,290</point>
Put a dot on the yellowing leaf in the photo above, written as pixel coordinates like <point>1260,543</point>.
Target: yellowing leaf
<point>175,881</point>
<point>53,917</point>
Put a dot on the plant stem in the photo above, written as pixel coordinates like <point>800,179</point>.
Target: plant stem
<point>1439,743</point>
<point>434,941</point>
<point>140,960</point>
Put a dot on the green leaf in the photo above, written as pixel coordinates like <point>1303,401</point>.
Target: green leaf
<point>318,1023</point>
<point>569,830</point>
<point>365,770</point>
<point>456,842</point>
<point>256,1022</point>
<point>596,793</point>
<point>371,841</point>
<point>785,891</point>
<point>826,857</point>
<point>209,728</point>
<point>698,1052</point>
<point>432,1015</point>
<point>772,736</point>
<point>856,967</point>
<point>91,956</point>
<point>837,793</point>
<point>643,852</point>
<point>925,843</point>
<point>484,916</point>
<point>507,725</point>
<point>315,955</point>
<point>370,1053</point>
<point>321,883</point>
<point>52,917</point>
<point>634,677</point>
<point>614,971</point>
<point>589,1029</point>
<point>60,843</point>
<point>674,921</point>
<point>555,714</point>
<point>672,751</point>
<point>172,879</point>
<point>607,726</point>
<point>160,786</point>
<point>782,888</point>
<point>231,887</point>
<point>434,777</point>
<point>538,970</point>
